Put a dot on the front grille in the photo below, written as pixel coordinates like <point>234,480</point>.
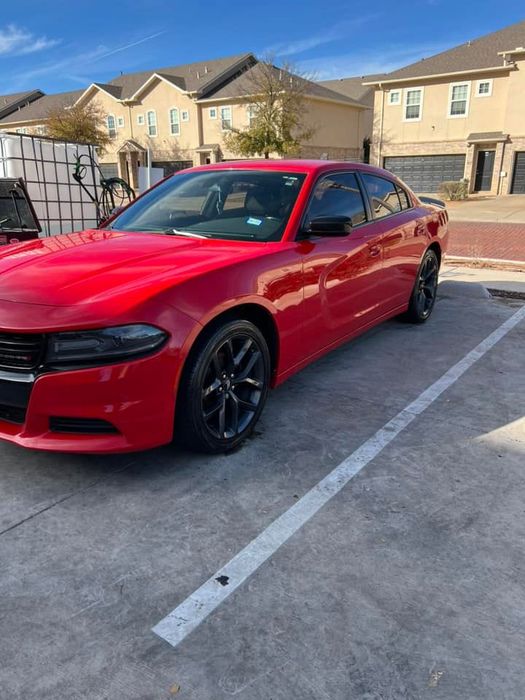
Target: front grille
<point>12,414</point>
<point>87,426</point>
<point>21,351</point>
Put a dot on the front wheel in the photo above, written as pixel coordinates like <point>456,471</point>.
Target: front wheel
<point>224,388</point>
<point>424,294</point>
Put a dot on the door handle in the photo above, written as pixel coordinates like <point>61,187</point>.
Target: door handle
<point>374,250</point>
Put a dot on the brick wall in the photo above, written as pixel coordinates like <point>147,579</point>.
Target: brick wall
<point>331,153</point>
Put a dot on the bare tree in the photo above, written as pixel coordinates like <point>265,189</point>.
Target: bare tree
<point>276,98</point>
<point>84,123</point>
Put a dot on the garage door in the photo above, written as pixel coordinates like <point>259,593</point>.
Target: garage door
<point>518,176</point>
<point>426,173</point>
<point>109,170</point>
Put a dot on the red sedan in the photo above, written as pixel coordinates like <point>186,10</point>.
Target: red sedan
<point>215,285</point>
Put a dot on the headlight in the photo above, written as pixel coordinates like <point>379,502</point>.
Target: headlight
<point>104,345</point>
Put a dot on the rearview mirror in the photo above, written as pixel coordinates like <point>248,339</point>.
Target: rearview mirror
<point>330,226</point>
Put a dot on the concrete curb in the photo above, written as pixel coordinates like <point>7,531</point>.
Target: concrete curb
<point>497,263</point>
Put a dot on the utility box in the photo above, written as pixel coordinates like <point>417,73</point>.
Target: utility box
<point>45,167</point>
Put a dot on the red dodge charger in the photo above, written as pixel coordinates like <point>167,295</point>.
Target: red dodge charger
<point>179,314</point>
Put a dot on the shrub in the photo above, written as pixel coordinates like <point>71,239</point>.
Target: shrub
<point>454,189</point>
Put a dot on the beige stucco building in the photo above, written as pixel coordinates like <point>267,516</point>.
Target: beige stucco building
<point>459,114</point>
<point>180,116</point>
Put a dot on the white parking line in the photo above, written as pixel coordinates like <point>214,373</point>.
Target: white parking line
<point>199,605</point>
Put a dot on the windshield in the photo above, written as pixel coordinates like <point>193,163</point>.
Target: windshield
<point>247,205</point>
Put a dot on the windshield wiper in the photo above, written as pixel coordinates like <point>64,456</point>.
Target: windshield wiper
<point>189,234</point>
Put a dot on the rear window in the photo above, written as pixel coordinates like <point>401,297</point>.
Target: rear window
<point>403,198</point>
<point>383,195</point>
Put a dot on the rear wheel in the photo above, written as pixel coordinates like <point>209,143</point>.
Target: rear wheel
<point>424,293</point>
<point>224,388</point>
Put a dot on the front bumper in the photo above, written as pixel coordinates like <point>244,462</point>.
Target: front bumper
<point>136,398</point>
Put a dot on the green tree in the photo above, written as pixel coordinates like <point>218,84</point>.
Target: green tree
<point>84,123</point>
<point>277,102</point>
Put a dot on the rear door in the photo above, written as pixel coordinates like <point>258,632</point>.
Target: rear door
<point>403,230</point>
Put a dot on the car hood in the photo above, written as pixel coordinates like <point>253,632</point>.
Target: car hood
<point>86,267</point>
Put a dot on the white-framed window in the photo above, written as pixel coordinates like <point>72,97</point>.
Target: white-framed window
<point>212,112</point>
<point>394,97</point>
<point>151,118</point>
<point>226,118</point>
<point>251,113</point>
<point>112,126</point>
<point>458,99</point>
<point>140,119</point>
<point>174,122</point>
<point>484,88</point>
<point>185,115</point>
<point>413,107</point>
<point>120,122</point>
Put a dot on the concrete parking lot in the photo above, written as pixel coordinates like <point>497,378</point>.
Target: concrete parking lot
<point>408,583</point>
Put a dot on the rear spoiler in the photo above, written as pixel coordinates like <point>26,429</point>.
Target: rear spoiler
<point>432,200</point>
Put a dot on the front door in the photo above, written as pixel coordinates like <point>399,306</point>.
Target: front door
<point>342,274</point>
<point>484,170</point>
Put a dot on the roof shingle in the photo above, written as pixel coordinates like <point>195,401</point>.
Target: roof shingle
<point>17,100</point>
<point>39,109</point>
<point>352,87</point>
<point>473,55</point>
<point>191,77</point>
<point>243,86</point>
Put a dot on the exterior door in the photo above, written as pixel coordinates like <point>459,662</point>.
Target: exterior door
<point>484,171</point>
<point>342,274</point>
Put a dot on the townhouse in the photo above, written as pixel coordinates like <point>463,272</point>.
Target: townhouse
<point>458,114</point>
<point>179,116</point>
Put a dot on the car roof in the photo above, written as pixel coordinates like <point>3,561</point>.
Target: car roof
<point>293,165</point>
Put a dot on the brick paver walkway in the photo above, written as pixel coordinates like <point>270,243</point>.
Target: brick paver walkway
<point>474,239</point>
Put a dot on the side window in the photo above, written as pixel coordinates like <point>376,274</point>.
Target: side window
<point>403,198</point>
<point>337,195</point>
<point>383,196</point>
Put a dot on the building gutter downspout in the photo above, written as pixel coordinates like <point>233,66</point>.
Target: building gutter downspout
<point>380,144</point>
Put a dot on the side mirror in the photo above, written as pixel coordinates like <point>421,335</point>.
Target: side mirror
<point>330,226</point>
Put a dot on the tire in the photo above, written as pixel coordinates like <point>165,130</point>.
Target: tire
<point>223,388</point>
<point>424,293</point>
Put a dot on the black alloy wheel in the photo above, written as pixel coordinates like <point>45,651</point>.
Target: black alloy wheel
<point>224,388</point>
<point>425,289</point>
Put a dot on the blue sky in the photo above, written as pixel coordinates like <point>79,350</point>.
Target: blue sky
<point>64,45</point>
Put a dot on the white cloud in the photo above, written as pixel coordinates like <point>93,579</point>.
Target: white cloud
<point>361,62</point>
<point>341,31</point>
<point>16,41</point>
<point>73,66</point>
